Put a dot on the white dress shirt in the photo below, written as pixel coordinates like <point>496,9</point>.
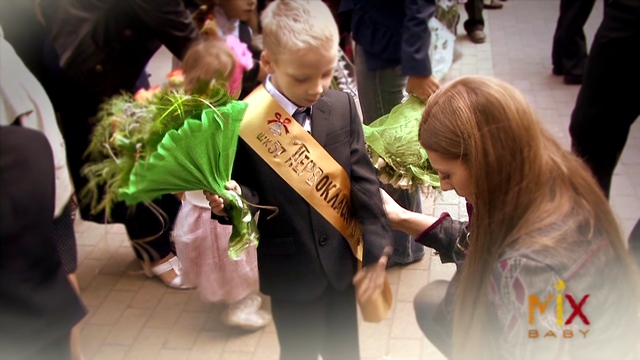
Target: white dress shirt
<point>286,103</point>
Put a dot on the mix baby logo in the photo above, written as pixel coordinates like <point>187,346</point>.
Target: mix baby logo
<point>577,314</point>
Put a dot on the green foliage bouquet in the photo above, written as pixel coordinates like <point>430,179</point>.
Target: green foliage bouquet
<point>162,141</point>
<point>392,140</point>
<point>392,143</point>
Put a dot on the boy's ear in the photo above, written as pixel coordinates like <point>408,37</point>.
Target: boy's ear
<point>266,62</point>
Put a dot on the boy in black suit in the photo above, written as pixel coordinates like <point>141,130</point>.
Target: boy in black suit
<point>305,263</point>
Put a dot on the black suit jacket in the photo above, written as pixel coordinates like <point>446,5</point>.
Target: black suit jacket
<point>105,44</point>
<point>300,253</point>
<point>394,33</point>
<point>37,303</point>
<point>249,78</point>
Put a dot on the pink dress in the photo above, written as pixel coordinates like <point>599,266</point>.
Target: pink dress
<point>202,245</point>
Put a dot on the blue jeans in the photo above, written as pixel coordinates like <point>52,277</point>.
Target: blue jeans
<point>379,92</point>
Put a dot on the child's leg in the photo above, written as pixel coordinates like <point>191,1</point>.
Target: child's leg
<point>341,340</point>
<point>327,326</point>
<point>203,245</point>
<point>300,328</point>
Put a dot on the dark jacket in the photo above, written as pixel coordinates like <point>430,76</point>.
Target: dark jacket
<point>249,78</point>
<point>394,33</point>
<point>300,253</point>
<point>104,45</point>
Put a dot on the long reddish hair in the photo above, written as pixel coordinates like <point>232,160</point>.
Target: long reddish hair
<point>524,182</point>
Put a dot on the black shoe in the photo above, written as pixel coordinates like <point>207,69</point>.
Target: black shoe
<point>572,79</point>
<point>557,71</point>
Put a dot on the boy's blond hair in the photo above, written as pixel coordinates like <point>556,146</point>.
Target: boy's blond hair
<point>297,24</point>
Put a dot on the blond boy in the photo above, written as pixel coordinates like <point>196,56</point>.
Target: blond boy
<point>306,265</point>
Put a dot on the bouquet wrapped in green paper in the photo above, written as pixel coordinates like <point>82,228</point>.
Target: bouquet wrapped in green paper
<point>392,143</point>
<point>167,142</point>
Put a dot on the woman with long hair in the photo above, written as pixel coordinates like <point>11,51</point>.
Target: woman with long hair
<point>543,271</point>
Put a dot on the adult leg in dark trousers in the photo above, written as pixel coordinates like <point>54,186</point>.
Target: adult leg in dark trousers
<point>430,314</point>
<point>379,92</point>
<point>606,108</point>
<point>38,305</point>
<point>326,326</point>
<point>569,52</point>
<point>474,25</point>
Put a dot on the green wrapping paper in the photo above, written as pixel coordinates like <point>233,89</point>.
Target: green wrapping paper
<point>167,142</point>
<point>393,145</point>
<point>198,155</point>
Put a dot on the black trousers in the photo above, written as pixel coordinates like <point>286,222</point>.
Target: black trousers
<point>569,52</point>
<point>608,102</point>
<point>475,21</point>
<point>57,349</point>
<point>326,326</point>
<point>148,230</point>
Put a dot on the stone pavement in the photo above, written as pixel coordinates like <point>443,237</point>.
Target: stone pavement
<point>132,317</point>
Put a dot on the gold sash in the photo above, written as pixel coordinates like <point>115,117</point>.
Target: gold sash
<point>312,172</point>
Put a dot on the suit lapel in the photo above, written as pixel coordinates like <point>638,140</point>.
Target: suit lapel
<point>320,119</point>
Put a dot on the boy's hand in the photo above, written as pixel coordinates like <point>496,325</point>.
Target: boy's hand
<point>370,280</point>
<point>217,203</point>
<point>422,86</point>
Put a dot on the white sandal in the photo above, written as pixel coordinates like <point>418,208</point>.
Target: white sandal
<point>172,264</point>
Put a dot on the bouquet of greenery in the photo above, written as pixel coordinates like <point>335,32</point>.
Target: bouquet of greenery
<point>392,140</point>
<point>162,141</point>
<point>392,143</point>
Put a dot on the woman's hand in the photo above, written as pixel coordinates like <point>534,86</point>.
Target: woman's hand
<point>392,209</point>
<point>399,218</point>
